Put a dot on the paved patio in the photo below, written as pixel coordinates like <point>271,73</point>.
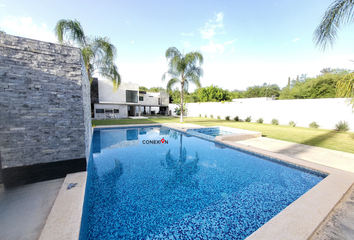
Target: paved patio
<point>24,209</point>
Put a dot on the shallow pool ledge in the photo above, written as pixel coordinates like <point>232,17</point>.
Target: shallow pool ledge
<point>64,219</point>
<point>238,136</point>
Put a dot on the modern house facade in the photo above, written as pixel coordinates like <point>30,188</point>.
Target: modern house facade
<point>127,101</point>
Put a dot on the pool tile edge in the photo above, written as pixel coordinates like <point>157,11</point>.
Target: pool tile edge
<point>64,220</point>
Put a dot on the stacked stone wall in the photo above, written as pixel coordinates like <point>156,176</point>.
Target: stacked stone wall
<point>44,103</point>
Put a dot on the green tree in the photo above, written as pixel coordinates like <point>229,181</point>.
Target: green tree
<point>237,94</point>
<point>214,94</point>
<point>326,70</point>
<point>322,86</point>
<point>183,69</point>
<point>345,88</point>
<point>339,13</point>
<point>98,53</point>
<point>264,90</point>
<point>142,88</point>
<point>156,89</point>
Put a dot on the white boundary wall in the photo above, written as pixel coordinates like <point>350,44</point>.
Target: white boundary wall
<point>326,112</point>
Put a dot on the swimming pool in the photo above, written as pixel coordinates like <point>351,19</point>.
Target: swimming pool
<point>156,183</point>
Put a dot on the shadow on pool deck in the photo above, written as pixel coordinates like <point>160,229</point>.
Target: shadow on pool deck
<point>25,209</point>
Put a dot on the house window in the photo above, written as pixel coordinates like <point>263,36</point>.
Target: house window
<point>141,98</point>
<point>99,110</point>
<point>116,110</point>
<point>131,96</point>
<point>108,110</point>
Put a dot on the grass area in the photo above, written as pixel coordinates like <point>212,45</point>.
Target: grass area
<point>330,139</point>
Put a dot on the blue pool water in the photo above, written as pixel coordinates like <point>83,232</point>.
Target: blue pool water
<point>183,188</point>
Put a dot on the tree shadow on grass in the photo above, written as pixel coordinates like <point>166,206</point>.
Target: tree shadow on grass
<point>315,141</point>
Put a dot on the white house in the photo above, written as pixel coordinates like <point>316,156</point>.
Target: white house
<point>128,101</point>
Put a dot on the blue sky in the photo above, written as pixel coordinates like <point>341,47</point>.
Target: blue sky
<point>244,43</point>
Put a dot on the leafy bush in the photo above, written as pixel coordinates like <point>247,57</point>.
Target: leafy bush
<point>178,109</point>
<point>260,120</point>
<point>206,115</point>
<point>236,119</point>
<point>200,114</point>
<point>342,126</point>
<point>218,117</point>
<point>292,124</point>
<point>227,118</point>
<point>275,121</point>
<point>313,125</point>
<point>211,116</point>
<point>248,119</point>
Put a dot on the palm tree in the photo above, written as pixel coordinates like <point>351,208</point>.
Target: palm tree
<point>183,69</point>
<point>98,53</point>
<point>339,13</point>
<point>345,88</point>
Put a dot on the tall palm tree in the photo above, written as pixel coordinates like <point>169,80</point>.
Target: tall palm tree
<point>339,13</point>
<point>183,69</point>
<point>345,88</point>
<point>98,53</point>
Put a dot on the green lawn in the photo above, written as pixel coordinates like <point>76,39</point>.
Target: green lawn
<point>340,141</point>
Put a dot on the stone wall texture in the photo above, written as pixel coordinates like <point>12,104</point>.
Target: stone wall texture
<point>44,103</point>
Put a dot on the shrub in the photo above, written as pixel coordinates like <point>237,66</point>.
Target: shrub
<point>218,117</point>
<point>292,124</point>
<point>200,114</point>
<point>227,118</point>
<point>211,116</point>
<point>248,119</point>
<point>342,126</point>
<point>236,119</point>
<point>275,121</point>
<point>205,115</point>
<point>260,120</point>
<point>313,125</point>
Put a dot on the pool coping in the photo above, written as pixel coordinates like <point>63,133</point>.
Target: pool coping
<point>299,220</point>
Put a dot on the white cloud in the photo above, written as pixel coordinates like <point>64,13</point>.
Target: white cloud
<point>128,22</point>
<point>132,42</point>
<point>25,27</point>
<point>212,27</point>
<point>2,5</point>
<point>233,49</point>
<point>251,39</point>
<point>229,42</point>
<point>213,48</point>
<point>186,44</point>
<point>297,39</point>
<point>186,34</point>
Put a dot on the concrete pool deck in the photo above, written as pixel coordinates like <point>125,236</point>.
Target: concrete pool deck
<point>307,218</point>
